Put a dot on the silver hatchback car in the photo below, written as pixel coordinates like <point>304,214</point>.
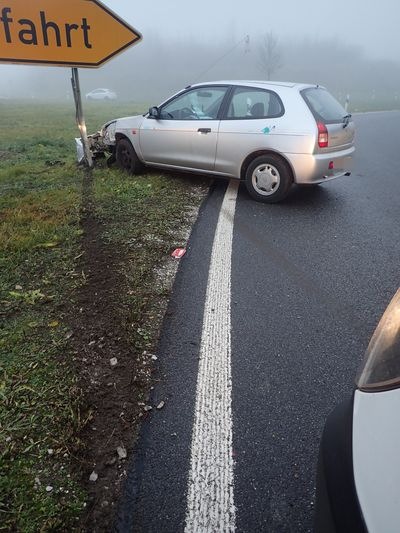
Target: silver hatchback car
<point>268,134</point>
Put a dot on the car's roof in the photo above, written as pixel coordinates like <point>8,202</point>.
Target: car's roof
<point>258,83</point>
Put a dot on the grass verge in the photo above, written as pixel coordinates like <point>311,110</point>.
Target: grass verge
<point>78,285</point>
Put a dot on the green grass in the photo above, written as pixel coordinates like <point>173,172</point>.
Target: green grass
<point>42,413</point>
<point>144,215</point>
<point>39,235</point>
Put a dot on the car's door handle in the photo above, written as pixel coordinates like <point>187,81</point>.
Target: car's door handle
<point>204,130</point>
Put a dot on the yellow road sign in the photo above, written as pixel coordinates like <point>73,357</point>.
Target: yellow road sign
<point>74,33</point>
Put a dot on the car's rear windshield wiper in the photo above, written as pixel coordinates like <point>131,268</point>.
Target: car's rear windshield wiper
<point>346,120</point>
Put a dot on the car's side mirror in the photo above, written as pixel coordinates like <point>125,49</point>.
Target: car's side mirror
<point>154,112</point>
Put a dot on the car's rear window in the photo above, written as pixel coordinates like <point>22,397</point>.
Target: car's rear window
<point>323,105</point>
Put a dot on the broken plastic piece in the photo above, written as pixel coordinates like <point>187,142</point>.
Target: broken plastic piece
<point>178,253</point>
<point>79,150</point>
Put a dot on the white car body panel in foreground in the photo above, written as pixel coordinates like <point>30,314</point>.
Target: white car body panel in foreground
<point>376,458</point>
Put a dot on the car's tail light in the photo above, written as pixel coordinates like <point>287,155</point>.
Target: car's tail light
<point>323,137</point>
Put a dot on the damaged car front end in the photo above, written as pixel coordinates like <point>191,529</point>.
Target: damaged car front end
<point>101,143</point>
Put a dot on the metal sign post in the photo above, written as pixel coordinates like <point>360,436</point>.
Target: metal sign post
<point>80,119</point>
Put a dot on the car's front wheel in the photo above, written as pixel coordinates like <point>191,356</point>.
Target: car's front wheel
<point>126,157</point>
<point>268,179</point>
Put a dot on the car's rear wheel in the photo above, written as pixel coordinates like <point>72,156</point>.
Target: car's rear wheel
<point>268,179</point>
<point>126,157</point>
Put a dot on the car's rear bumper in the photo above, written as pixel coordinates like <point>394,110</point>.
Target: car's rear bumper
<point>337,508</point>
<point>318,168</point>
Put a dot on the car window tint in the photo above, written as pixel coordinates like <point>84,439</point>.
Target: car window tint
<point>202,103</point>
<point>323,105</point>
<point>248,103</point>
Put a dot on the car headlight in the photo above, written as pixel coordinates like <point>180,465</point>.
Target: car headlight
<point>381,368</point>
<point>108,133</point>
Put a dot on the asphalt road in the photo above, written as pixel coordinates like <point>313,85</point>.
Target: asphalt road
<point>310,279</point>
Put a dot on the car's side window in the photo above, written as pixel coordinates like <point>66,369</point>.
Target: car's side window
<point>249,103</point>
<point>202,103</point>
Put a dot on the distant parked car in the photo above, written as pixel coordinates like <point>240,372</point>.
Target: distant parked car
<point>358,481</point>
<point>270,135</point>
<point>101,94</point>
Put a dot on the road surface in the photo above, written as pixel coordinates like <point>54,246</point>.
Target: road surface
<point>272,310</point>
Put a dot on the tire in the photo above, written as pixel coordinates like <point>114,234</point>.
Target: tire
<point>126,157</point>
<point>268,179</point>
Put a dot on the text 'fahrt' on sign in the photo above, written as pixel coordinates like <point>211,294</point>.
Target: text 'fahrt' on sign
<point>77,33</point>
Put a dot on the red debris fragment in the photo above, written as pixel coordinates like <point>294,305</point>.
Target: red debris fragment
<point>178,253</point>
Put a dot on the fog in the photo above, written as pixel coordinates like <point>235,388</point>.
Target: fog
<point>348,48</point>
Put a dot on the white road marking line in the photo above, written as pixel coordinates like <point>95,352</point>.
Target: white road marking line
<point>210,504</point>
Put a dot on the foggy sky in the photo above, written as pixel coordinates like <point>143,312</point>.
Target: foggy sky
<point>371,24</point>
<point>321,43</point>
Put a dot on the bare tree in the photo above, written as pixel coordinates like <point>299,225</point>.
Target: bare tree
<point>270,54</point>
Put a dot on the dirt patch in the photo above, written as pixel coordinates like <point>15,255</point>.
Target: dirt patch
<point>110,374</point>
<point>4,154</point>
<point>114,374</point>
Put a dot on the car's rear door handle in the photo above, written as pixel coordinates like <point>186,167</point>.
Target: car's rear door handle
<point>204,130</point>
